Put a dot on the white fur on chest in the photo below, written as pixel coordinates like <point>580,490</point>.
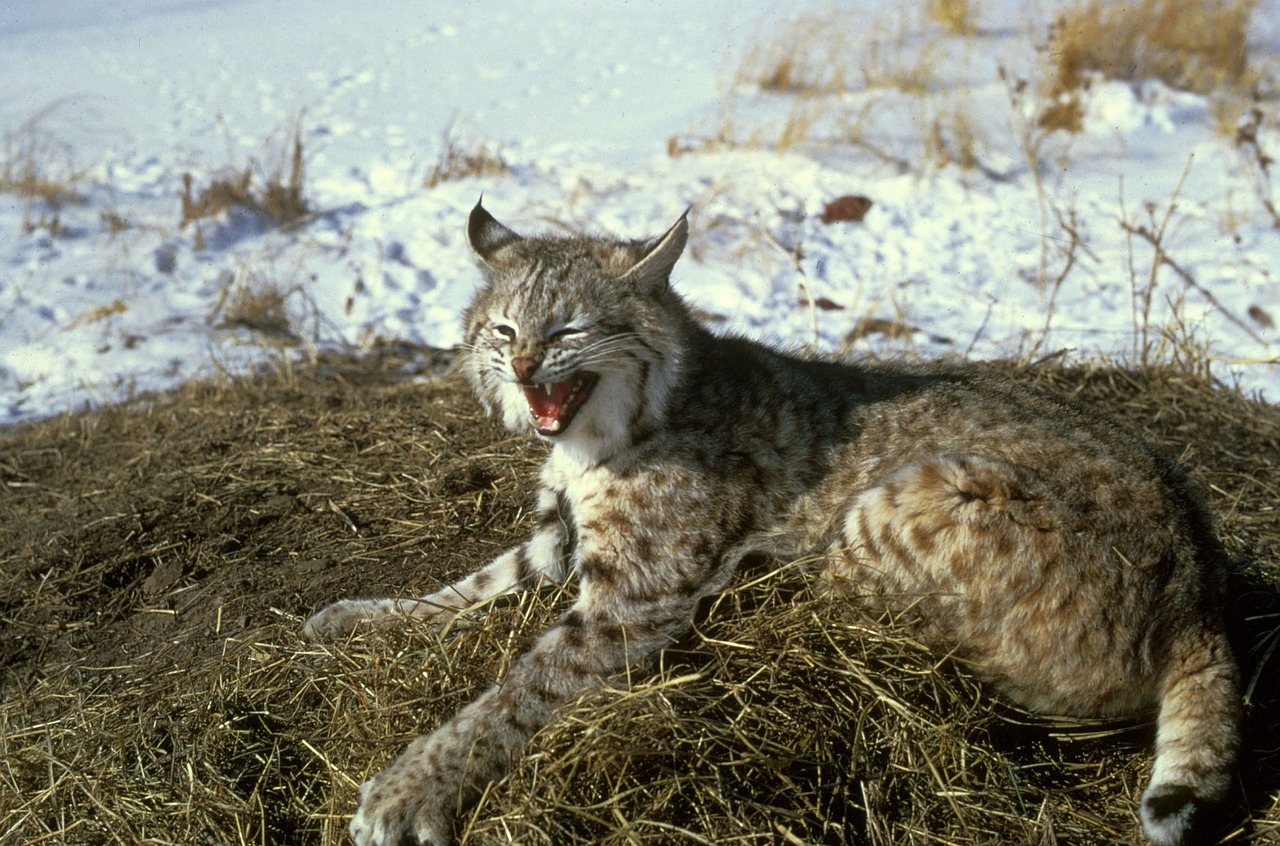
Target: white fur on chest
<point>579,482</point>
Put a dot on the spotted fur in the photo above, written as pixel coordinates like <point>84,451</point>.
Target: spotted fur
<point>1076,568</point>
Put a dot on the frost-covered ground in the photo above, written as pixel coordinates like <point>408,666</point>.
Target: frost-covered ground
<point>108,296</point>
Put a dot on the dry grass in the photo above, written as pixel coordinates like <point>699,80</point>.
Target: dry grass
<point>1251,128</point>
<point>953,138</point>
<point>462,159</point>
<point>258,303</point>
<point>808,54</point>
<point>831,51</point>
<point>834,69</point>
<point>35,166</point>
<point>955,16</point>
<point>1197,46</point>
<point>274,192</point>
<point>159,558</point>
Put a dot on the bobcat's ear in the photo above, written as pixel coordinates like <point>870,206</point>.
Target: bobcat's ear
<point>486,236</point>
<point>660,255</point>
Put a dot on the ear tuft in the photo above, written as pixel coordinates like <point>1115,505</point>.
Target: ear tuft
<point>660,255</point>
<point>486,236</point>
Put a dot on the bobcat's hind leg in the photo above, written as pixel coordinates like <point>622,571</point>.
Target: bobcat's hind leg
<point>541,559</point>
<point>940,522</point>
<point>1197,738</point>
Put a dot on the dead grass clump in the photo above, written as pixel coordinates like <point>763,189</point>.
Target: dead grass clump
<point>954,16</point>
<point>808,54</point>
<point>1196,46</point>
<point>809,61</point>
<point>159,558</point>
<point>259,304</point>
<point>40,170</point>
<point>832,52</point>
<point>35,166</point>
<point>274,194</point>
<point>460,159</point>
<point>953,138</point>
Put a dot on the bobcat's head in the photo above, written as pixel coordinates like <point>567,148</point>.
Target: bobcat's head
<point>577,338</point>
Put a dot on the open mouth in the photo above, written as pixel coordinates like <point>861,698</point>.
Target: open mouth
<point>552,405</point>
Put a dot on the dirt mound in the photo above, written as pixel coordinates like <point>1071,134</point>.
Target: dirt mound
<point>158,559</point>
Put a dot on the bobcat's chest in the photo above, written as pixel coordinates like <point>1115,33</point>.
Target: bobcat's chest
<point>645,533</point>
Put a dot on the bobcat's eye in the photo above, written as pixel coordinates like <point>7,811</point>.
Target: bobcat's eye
<point>566,332</point>
<point>504,331</point>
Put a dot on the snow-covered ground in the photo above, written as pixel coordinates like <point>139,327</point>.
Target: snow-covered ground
<point>108,296</point>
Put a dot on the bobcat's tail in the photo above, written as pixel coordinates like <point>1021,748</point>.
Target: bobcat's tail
<point>1197,737</point>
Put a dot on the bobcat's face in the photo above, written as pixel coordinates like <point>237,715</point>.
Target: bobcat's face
<point>571,337</point>
<point>544,375</point>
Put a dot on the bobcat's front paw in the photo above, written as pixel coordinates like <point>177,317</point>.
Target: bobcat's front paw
<point>336,621</point>
<point>397,809</point>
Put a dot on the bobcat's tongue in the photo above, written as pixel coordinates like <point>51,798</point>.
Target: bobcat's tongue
<point>553,404</point>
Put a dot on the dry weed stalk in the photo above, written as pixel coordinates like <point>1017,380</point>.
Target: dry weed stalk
<point>1149,345</point>
<point>1250,132</point>
<point>1198,46</point>
<point>276,194</point>
<point>809,54</point>
<point>952,138</point>
<point>1069,250</point>
<point>955,16</point>
<point>459,159</point>
<point>36,166</point>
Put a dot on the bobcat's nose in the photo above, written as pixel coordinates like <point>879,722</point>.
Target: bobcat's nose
<point>525,367</point>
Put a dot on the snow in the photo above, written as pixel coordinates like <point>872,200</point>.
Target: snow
<point>108,297</point>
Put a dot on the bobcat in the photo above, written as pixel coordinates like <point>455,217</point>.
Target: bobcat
<point>1057,553</point>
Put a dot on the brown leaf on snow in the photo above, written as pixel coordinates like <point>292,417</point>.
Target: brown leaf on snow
<point>1262,317</point>
<point>850,207</point>
<point>822,303</point>
<point>879,326</point>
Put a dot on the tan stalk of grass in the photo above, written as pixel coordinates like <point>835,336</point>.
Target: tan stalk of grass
<point>35,166</point>
<point>858,127</point>
<point>901,55</point>
<point>1258,162</point>
<point>833,52</point>
<point>461,159</point>
<point>1069,247</point>
<point>114,221</point>
<point>814,58</point>
<point>276,193</point>
<point>954,16</point>
<point>1037,143</point>
<point>1063,112</point>
<point>1152,343</point>
<point>799,124</point>
<point>810,54</point>
<point>259,304</point>
<point>952,138</point>
<point>1195,45</point>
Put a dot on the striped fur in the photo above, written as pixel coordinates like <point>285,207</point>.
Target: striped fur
<point>1076,568</point>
